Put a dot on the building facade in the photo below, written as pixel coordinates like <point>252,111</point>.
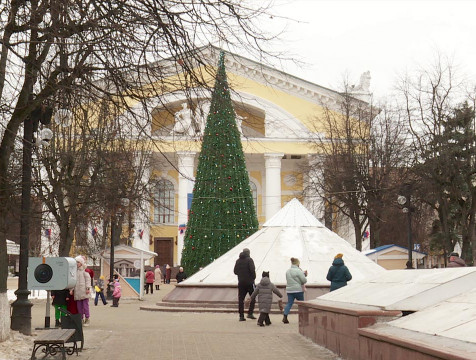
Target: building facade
<point>277,115</point>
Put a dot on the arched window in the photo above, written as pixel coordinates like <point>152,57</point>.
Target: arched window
<point>254,194</point>
<point>164,202</point>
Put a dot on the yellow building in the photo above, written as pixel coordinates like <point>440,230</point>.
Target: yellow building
<point>394,257</point>
<point>277,116</point>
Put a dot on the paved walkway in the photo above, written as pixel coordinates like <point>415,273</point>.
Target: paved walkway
<point>129,333</point>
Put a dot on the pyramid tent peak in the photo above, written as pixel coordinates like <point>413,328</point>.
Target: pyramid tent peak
<point>293,214</point>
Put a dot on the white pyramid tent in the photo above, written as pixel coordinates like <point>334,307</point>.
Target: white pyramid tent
<point>292,232</point>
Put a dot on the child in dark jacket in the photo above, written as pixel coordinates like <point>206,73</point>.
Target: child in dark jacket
<point>60,300</point>
<point>264,291</point>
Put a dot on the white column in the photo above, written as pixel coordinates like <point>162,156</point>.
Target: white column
<point>272,202</point>
<point>186,162</point>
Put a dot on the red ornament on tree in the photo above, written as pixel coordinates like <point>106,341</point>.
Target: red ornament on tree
<point>193,247</point>
<point>231,189</point>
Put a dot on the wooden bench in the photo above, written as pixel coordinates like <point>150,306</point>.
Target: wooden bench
<point>54,342</point>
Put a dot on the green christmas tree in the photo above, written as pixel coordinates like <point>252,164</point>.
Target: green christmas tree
<point>222,212</point>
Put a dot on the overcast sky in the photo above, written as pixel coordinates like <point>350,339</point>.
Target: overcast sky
<point>385,37</point>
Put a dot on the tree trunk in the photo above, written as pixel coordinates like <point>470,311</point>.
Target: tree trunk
<point>66,236</point>
<point>472,231</point>
<point>374,228</point>
<point>4,304</point>
<point>358,234</point>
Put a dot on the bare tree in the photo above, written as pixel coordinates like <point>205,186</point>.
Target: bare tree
<point>52,49</point>
<point>86,167</point>
<point>360,154</point>
<point>443,144</point>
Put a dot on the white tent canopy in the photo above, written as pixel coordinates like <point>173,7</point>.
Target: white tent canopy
<point>292,232</point>
<point>409,290</point>
<point>452,318</point>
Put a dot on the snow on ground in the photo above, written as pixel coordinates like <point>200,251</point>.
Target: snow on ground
<point>35,294</point>
<point>18,347</point>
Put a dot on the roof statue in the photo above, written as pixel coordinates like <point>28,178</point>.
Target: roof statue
<point>184,123</point>
<point>362,90</point>
<point>201,112</point>
<point>364,84</point>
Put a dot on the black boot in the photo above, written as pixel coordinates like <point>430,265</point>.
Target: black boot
<point>242,317</point>
<point>251,316</point>
<point>261,319</point>
<point>57,323</point>
<point>285,319</point>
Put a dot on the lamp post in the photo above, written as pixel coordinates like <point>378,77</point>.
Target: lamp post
<point>114,223</point>
<point>21,307</point>
<point>405,202</point>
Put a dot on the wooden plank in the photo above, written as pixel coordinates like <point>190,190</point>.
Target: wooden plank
<point>57,336</point>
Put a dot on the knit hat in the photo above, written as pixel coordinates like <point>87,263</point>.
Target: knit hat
<point>338,256</point>
<point>295,261</point>
<point>246,251</point>
<point>79,259</point>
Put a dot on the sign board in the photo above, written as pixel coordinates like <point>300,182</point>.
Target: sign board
<point>51,273</point>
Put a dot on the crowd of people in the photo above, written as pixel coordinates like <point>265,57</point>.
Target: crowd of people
<point>296,280</point>
<point>76,300</point>
<point>157,276</point>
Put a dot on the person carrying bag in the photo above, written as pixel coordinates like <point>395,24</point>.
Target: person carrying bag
<point>99,287</point>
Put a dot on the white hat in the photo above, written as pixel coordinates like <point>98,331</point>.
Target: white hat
<point>79,259</point>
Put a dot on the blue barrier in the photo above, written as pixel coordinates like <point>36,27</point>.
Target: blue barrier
<point>134,282</point>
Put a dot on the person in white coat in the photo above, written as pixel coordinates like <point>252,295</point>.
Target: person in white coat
<point>82,290</point>
<point>158,277</point>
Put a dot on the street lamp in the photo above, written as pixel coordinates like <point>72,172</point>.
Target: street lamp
<point>114,223</point>
<point>21,307</point>
<point>405,202</point>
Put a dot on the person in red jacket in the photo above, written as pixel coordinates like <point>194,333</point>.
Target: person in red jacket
<point>149,281</point>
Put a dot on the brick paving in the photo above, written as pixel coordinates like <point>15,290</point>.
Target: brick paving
<point>128,333</point>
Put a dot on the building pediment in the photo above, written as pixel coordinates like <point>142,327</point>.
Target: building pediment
<point>269,103</point>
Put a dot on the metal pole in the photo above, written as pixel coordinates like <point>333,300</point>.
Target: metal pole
<point>410,240</point>
<point>21,307</point>
<point>111,255</point>
<point>47,314</point>
<point>141,277</point>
